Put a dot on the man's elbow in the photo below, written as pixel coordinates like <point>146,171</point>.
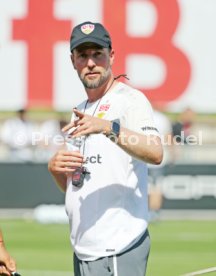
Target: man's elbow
<point>158,157</point>
<point>158,160</point>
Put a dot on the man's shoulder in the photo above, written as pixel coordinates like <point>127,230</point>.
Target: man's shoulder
<point>130,93</point>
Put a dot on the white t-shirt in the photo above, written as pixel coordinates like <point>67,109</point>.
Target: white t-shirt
<point>109,213</point>
<point>164,127</point>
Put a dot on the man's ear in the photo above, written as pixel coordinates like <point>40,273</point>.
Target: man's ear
<point>112,56</point>
<point>72,60</point>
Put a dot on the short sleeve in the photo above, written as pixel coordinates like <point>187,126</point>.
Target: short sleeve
<point>139,115</point>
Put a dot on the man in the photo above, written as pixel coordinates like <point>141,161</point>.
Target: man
<point>7,264</point>
<point>104,172</point>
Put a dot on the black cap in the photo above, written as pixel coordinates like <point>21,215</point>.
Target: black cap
<point>90,32</point>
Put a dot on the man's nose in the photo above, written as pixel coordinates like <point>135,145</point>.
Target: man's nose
<point>91,62</point>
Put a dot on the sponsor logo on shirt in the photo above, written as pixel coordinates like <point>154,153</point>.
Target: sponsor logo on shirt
<point>110,250</point>
<point>94,159</point>
<point>149,128</point>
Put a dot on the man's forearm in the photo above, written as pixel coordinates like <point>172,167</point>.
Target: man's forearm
<point>143,147</point>
<point>61,180</point>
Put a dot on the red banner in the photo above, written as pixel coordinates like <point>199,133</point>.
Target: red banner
<point>41,30</point>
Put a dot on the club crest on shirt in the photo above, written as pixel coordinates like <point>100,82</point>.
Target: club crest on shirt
<point>87,28</point>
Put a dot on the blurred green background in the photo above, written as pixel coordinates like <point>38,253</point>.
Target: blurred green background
<point>178,247</point>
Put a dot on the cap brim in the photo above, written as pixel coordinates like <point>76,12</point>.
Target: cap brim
<point>92,40</point>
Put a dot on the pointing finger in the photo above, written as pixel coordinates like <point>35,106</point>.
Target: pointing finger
<point>78,113</point>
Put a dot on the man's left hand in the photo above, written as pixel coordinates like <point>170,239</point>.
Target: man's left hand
<point>86,124</point>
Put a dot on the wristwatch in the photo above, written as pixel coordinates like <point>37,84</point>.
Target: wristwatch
<point>115,130</point>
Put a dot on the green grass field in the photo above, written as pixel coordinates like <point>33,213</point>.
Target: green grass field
<point>178,247</point>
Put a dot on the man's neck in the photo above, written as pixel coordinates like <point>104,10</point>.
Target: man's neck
<point>97,93</point>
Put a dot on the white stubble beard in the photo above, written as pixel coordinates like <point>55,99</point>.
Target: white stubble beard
<point>95,83</point>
